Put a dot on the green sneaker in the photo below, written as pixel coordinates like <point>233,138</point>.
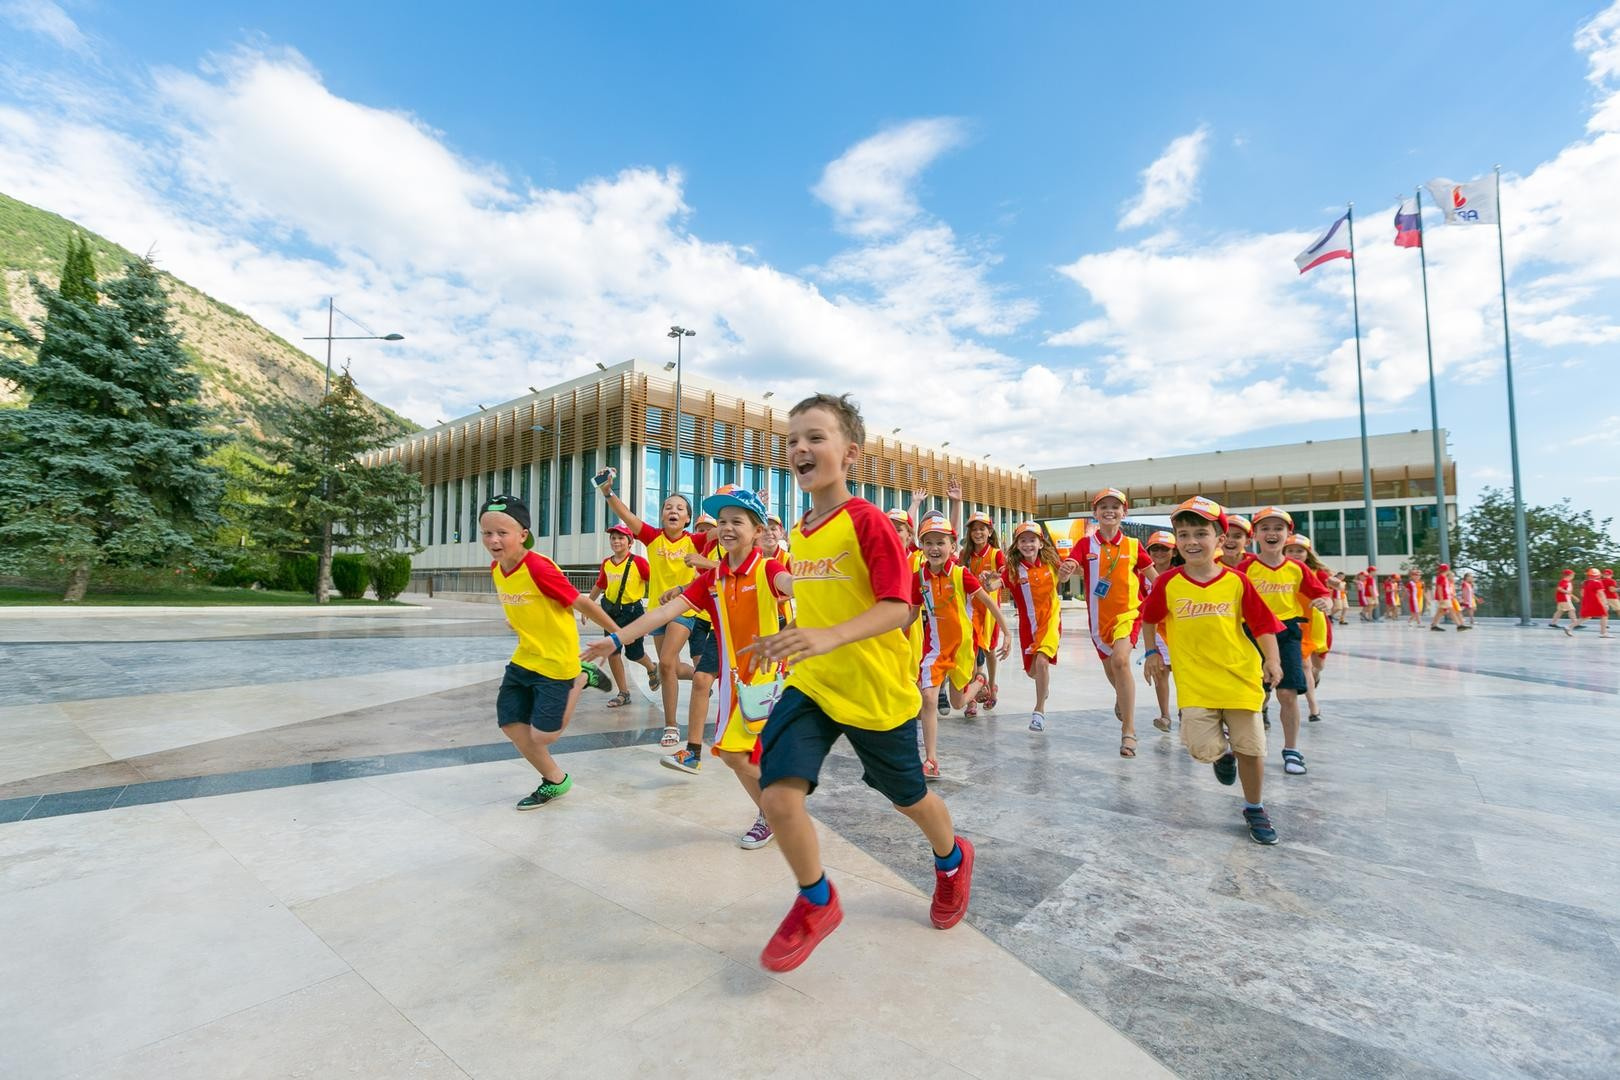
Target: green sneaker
<point>595,678</point>
<point>545,793</point>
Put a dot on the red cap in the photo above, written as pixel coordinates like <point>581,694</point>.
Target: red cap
<point>1443,566</point>
<point>623,530</point>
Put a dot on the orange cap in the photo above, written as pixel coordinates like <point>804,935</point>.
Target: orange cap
<point>1241,522</point>
<point>1161,539</point>
<point>935,522</point>
<point>1274,512</point>
<point>1296,540</point>
<point>901,516</point>
<point>1208,509</point>
<point>705,519</point>
<point>1028,527</point>
<point>1111,492</point>
<point>979,517</point>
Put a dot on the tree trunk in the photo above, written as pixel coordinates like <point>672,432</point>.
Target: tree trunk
<point>323,573</point>
<point>78,583</point>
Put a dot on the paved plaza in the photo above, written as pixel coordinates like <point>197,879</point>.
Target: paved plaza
<point>275,843</point>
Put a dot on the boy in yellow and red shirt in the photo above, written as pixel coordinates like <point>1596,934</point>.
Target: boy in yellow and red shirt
<point>544,678</point>
<point>1290,590</point>
<point>621,583</point>
<point>852,677</point>
<point>1219,675</point>
<point>1114,567</point>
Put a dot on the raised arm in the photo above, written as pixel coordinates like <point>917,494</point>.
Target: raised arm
<point>621,508</point>
<point>663,615</point>
<point>953,492</point>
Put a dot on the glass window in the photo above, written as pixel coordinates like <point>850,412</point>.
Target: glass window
<point>725,472</point>
<point>1355,531</point>
<point>1325,534</point>
<point>688,481</point>
<point>587,494</point>
<point>506,482</point>
<point>490,490</point>
<point>1391,530</point>
<point>804,503</point>
<point>565,496</point>
<point>654,480</point>
<point>754,477</point>
<point>525,478</point>
<point>782,495</point>
<point>540,509</point>
<point>426,516</point>
<point>444,512</point>
<point>655,424</point>
<point>722,441</point>
<point>455,535</point>
<point>870,493</point>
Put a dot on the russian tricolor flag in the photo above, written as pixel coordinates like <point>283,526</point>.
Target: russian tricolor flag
<point>1333,244</point>
<point>1408,226</point>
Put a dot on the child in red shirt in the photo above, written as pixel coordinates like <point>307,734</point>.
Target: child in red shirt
<point>1563,602</point>
<point>1595,601</point>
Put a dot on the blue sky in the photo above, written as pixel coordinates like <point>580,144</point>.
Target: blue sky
<point>1075,225</point>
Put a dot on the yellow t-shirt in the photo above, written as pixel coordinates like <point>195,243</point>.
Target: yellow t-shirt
<point>1287,590</point>
<point>841,568</point>
<point>538,601</point>
<point>1217,666</point>
<point>632,573</point>
<point>666,560</point>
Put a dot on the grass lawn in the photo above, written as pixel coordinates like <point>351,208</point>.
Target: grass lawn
<point>204,596</point>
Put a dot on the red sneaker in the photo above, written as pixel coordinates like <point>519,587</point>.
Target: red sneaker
<point>806,924</point>
<point>951,890</point>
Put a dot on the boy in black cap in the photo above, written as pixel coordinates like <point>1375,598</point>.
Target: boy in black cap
<point>545,675</point>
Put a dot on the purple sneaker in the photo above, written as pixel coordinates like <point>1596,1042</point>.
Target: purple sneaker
<point>758,836</point>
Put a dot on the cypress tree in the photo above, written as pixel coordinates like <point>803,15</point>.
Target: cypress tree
<point>104,465</point>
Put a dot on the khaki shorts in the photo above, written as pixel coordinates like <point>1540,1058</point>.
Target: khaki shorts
<point>1206,732</point>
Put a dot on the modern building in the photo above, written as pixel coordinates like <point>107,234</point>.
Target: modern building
<point>1317,481</point>
<point>546,445</point>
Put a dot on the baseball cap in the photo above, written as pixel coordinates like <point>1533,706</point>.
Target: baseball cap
<point>1443,566</point>
<point>1372,569</point>
<point>1027,527</point>
<point>772,519</point>
<point>1161,539</point>
<point>1241,522</point>
<point>979,517</point>
<point>514,508</point>
<point>622,530</point>
<point>901,516</point>
<point>1115,493</point>
<point>935,522</point>
<point>1273,512</point>
<point>704,519</point>
<point>1208,509</point>
<point>732,495</point>
<point>1568,573</point>
<point>1297,540</point>
<point>1593,572</point>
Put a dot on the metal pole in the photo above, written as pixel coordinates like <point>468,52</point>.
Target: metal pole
<point>1434,406</point>
<point>331,308</point>
<point>676,485</point>
<point>1361,401</point>
<point>556,476</point>
<point>1521,542</point>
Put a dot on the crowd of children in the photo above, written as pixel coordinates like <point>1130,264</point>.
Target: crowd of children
<point>869,625</point>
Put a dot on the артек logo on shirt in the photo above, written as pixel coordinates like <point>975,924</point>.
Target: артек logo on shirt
<point>1187,608</point>
<point>820,569</point>
<point>1274,586</point>
<point>514,598</point>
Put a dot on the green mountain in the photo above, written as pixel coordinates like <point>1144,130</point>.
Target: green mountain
<point>247,372</point>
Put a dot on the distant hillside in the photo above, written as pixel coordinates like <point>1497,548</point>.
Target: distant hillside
<point>246,370</point>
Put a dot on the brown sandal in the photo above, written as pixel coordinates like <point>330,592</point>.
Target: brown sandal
<point>619,700</point>
<point>1127,751</point>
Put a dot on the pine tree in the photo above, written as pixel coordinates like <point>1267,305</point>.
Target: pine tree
<point>317,493</point>
<point>104,465</point>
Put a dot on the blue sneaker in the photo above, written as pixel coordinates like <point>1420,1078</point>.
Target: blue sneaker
<point>1260,830</point>
<point>1226,769</point>
<point>683,760</point>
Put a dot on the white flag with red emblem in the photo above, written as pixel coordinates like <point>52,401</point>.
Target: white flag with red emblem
<point>1472,203</point>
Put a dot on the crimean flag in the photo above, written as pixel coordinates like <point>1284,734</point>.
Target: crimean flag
<point>1408,226</point>
<point>1333,244</point>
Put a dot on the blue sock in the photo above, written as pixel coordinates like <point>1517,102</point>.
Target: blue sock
<point>819,894</point>
<point>951,861</point>
<point>1253,805</point>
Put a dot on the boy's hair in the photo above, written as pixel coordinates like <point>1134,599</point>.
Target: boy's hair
<point>844,408</point>
<point>1187,517</point>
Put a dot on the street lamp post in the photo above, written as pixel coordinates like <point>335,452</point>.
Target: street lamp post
<point>678,332</point>
<point>323,586</point>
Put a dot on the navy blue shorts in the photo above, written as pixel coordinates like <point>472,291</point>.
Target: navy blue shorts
<point>704,645</point>
<point>624,615</point>
<point>1288,652</point>
<point>528,697</point>
<point>798,737</point>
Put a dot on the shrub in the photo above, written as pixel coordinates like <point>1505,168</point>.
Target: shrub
<point>296,574</point>
<point>350,576</point>
<point>390,573</point>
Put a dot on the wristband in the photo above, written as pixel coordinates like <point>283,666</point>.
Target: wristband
<point>618,646</point>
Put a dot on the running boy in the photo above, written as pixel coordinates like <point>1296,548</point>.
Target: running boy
<point>1595,601</point>
<point>1219,674</point>
<point>1113,566</point>
<point>740,596</point>
<point>624,577</point>
<point>1445,606</point>
<point>667,551</point>
<point>946,591</point>
<point>851,677</point>
<point>1563,602</point>
<point>1034,576</point>
<point>1235,541</point>
<point>1392,596</point>
<point>1161,547</point>
<point>544,677</point>
<point>1414,598</point>
<point>1466,598</point>
<point>1289,590</point>
<point>982,555</point>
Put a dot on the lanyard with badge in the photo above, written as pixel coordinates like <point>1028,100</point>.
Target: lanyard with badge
<point>1104,580</point>
<point>754,700</point>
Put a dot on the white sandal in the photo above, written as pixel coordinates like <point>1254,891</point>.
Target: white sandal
<point>671,737</point>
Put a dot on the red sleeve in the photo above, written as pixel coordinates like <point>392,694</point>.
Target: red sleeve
<point>1259,618</point>
<point>1001,561</point>
<point>1143,559</point>
<point>549,580</point>
<point>885,559</point>
<point>704,542</point>
<point>601,577</point>
<point>642,568</point>
<point>698,595</point>
<point>648,534</point>
<point>1310,586</point>
<point>1155,608</point>
<point>774,568</point>
<point>970,583</point>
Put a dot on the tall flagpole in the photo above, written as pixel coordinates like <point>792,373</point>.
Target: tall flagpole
<point>1520,541</point>
<point>1361,400</point>
<point>1434,406</point>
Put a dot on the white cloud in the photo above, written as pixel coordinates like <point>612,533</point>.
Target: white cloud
<point>870,185</point>
<point>46,18</point>
<point>1171,182</point>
